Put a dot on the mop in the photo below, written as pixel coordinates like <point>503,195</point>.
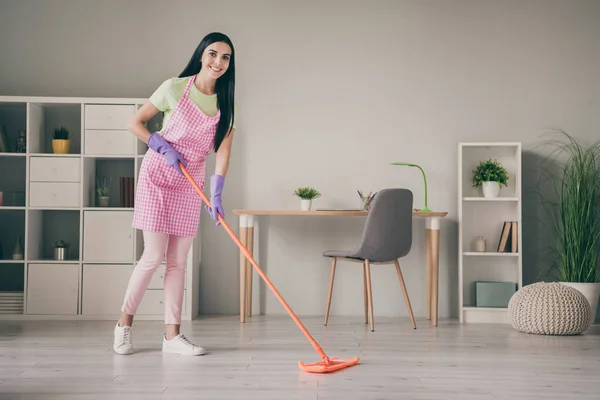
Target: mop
<point>327,364</point>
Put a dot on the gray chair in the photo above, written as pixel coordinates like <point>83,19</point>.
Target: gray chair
<point>387,236</point>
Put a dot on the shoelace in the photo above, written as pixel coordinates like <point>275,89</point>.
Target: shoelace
<point>187,342</point>
<point>125,336</point>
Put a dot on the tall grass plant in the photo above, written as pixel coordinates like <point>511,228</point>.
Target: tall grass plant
<point>571,200</point>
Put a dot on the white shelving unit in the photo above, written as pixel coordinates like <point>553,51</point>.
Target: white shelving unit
<point>479,216</point>
<point>49,197</point>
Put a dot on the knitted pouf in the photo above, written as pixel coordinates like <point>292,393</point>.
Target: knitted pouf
<point>549,308</point>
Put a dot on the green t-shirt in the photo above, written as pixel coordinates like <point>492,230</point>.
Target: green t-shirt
<point>166,97</point>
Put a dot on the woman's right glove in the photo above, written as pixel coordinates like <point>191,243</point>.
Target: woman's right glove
<point>161,146</point>
<point>216,187</point>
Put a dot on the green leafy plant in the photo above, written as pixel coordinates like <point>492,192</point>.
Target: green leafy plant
<point>571,200</point>
<point>307,193</point>
<point>61,244</point>
<point>489,171</point>
<point>61,133</point>
<point>103,188</point>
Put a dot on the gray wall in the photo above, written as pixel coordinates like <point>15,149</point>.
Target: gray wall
<point>329,93</point>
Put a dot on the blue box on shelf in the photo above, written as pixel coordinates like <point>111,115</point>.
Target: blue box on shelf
<point>494,294</point>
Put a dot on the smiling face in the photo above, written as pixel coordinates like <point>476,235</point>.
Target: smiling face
<point>215,59</point>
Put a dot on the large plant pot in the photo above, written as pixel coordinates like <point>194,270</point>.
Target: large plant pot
<point>591,291</point>
<point>490,189</point>
<point>305,205</point>
<point>61,146</point>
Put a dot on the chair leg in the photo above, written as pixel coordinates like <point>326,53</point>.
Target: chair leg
<point>365,294</point>
<point>406,299</point>
<point>329,295</point>
<point>369,294</point>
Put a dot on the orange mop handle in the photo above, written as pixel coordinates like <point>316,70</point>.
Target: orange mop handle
<point>255,264</point>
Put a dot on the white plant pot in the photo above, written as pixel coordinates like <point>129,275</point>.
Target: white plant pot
<point>490,189</point>
<point>103,201</point>
<point>305,205</point>
<point>591,291</point>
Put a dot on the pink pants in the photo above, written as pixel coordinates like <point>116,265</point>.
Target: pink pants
<point>156,246</point>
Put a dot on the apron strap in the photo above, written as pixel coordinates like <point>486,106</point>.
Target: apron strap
<point>189,85</point>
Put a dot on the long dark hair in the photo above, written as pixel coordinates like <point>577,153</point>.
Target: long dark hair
<point>225,86</point>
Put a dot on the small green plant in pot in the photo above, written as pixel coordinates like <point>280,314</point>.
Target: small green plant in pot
<point>490,175</point>
<point>61,140</point>
<point>61,248</point>
<point>307,195</point>
<point>103,191</point>
<point>569,190</point>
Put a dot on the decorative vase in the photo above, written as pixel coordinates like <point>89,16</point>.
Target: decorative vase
<point>61,146</point>
<point>103,201</point>
<point>591,291</point>
<point>305,204</point>
<point>18,250</point>
<point>60,253</point>
<point>491,189</point>
<point>480,244</point>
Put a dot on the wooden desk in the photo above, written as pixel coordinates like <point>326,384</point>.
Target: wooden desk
<point>248,223</point>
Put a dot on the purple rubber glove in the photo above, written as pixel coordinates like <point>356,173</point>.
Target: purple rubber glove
<point>216,187</point>
<point>161,146</point>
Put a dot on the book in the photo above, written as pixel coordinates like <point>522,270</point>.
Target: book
<point>514,235</point>
<point>126,188</point>
<point>508,242</point>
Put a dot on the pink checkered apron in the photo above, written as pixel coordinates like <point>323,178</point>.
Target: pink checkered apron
<point>165,201</point>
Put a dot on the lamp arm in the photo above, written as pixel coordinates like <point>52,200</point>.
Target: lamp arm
<point>426,209</point>
<point>425,181</point>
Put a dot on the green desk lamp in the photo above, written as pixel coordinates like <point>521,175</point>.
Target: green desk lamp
<point>426,209</point>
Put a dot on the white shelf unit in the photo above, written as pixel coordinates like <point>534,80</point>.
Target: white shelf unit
<point>48,197</point>
<point>479,216</point>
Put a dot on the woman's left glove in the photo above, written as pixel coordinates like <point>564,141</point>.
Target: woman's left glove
<point>216,187</point>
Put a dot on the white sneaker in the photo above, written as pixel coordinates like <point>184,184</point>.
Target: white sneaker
<point>122,343</point>
<point>181,345</point>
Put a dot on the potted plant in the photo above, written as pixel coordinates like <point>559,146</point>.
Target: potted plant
<point>571,200</point>
<point>61,248</point>
<point>103,191</point>
<point>307,195</point>
<point>490,175</point>
<point>61,142</point>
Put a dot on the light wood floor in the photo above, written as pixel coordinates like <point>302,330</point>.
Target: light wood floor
<point>258,360</point>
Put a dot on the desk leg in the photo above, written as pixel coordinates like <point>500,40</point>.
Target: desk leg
<point>249,267</point>
<point>428,272</point>
<point>242,233</point>
<point>433,266</point>
<point>246,235</point>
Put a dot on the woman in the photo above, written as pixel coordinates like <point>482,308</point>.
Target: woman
<point>198,111</point>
